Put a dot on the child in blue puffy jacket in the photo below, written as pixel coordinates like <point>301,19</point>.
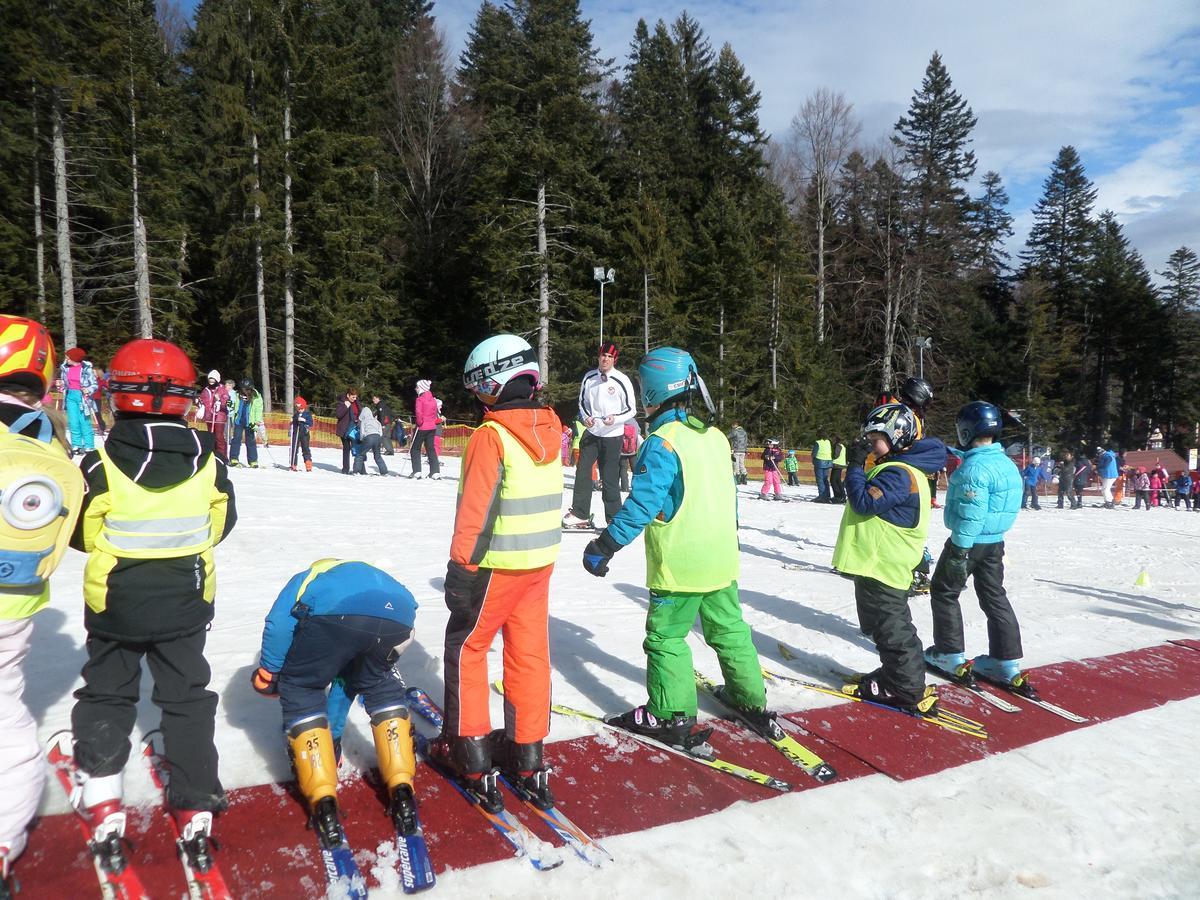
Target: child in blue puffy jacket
<point>982,502</point>
<point>1032,476</point>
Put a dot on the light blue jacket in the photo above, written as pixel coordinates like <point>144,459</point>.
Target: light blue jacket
<point>983,498</point>
<point>1107,464</point>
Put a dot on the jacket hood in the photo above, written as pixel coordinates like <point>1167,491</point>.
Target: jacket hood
<point>536,427</point>
<point>157,451</point>
<point>927,454</point>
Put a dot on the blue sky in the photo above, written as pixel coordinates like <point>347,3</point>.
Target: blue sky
<point>1118,80</point>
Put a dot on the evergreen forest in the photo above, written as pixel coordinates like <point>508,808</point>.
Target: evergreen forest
<point>316,194</point>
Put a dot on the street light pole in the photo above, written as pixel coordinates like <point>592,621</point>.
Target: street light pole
<point>923,344</point>
<point>604,277</point>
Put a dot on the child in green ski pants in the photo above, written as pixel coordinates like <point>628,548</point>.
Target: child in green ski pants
<point>691,555</point>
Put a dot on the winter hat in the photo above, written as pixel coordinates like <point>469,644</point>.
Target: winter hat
<point>301,404</point>
<point>1037,460</point>
<point>791,453</point>
<point>423,385</point>
<point>609,348</point>
<point>76,354</point>
<point>214,375</point>
<point>439,405</point>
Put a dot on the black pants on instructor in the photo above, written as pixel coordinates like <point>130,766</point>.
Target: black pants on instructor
<point>985,565</point>
<point>884,616</point>
<point>607,451</point>
<point>106,710</point>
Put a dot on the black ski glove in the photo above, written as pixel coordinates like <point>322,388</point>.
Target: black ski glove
<point>597,553</point>
<point>957,565</point>
<point>857,453</point>
<point>460,586</point>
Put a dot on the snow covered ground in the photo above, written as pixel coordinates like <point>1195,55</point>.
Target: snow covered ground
<point>1106,811</point>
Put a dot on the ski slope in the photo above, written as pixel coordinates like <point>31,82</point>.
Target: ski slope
<point>1107,809</point>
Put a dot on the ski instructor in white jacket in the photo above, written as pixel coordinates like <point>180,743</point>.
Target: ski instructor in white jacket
<point>606,403</point>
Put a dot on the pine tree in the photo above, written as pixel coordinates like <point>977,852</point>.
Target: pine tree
<point>1059,240</point>
<point>1181,304</point>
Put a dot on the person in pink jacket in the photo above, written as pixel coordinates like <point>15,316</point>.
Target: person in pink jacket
<point>427,416</point>
<point>212,408</point>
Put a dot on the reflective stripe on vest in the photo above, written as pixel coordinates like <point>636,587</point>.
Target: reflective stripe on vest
<point>157,523</point>
<point>697,551</point>
<point>870,546</point>
<point>824,450</point>
<point>528,525</point>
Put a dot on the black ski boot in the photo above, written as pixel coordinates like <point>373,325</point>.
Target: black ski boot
<point>326,823</point>
<point>676,731</point>
<point>522,765</point>
<point>470,759</point>
<point>760,720</point>
<point>403,809</point>
<point>874,688</point>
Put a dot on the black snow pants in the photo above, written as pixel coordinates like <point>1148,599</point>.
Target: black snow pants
<point>607,452</point>
<point>985,564</point>
<point>106,710</point>
<point>884,616</point>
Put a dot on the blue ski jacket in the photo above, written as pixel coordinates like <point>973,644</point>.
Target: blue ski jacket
<point>891,495</point>
<point>657,489</point>
<point>983,498</point>
<point>332,587</point>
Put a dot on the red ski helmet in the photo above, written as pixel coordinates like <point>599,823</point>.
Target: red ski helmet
<point>151,376</point>
<point>301,403</point>
<point>26,353</point>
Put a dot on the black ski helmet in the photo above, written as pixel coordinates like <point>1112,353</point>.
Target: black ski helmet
<point>917,393</point>
<point>896,422</point>
<point>978,419</point>
<point>245,385</point>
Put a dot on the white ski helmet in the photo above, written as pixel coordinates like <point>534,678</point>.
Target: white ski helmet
<point>214,375</point>
<point>496,362</point>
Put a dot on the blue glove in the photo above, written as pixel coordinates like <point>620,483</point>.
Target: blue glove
<point>597,554</point>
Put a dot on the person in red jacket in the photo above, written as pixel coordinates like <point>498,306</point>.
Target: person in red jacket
<point>506,536</point>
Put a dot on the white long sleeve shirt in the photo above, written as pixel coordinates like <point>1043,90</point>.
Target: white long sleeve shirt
<point>607,395</point>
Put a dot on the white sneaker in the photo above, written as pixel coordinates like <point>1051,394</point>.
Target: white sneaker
<point>417,475</point>
<point>570,520</point>
<point>436,476</point>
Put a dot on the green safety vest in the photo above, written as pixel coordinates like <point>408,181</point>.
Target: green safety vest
<point>528,529</point>
<point>824,450</point>
<point>157,523</point>
<point>697,551</point>
<point>870,546</point>
<point>840,459</point>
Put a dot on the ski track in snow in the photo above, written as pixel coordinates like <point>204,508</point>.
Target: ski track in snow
<point>1108,809</point>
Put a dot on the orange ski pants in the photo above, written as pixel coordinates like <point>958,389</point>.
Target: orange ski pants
<point>516,603</point>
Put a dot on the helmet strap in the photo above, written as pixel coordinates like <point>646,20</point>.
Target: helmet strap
<point>706,397</point>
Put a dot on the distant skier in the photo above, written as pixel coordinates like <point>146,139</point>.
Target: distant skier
<point>1107,469</point>
<point>791,465</point>
<point>1032,477</point>
<point>246,416</point>
<point>739,442</point>
<point>881,541</point>
<point>506,537</point>
<point>158,501</point>
<point>686,503</point>
<point>213,410</point>
<point>335,632</point>
<point>301,425</point>
<point>772,456</point>
<point>981,506</point>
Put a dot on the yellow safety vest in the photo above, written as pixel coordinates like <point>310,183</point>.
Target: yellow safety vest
<point>840,459</point>
<point>157,523</point>
<point>528,528</point>
<point>824,450</point>
<point>45,491</point>
<point>870,546</point>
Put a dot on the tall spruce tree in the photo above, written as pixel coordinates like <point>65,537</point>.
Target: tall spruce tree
<point>1059,241</point>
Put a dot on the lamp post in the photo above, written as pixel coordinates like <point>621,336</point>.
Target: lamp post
<point>604,277</point>
<point>923,344</point>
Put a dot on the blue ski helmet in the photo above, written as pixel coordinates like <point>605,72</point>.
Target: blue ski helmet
<point>665,373</point>
<point>978,419</point>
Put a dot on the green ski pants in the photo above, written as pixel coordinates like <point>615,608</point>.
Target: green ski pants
<point>670,681</point>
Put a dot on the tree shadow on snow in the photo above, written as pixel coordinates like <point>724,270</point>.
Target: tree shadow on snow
<point>573,650</point>
<point>1150,611</point>
<point>787,560</point>
<point>784,536</point>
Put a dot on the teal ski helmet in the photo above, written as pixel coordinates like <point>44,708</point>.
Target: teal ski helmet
<point>667,373</point>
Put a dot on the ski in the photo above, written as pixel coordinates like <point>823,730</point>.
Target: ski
<point>206,884</point>
<point>1027,692</point>
<point>523,841</point>
<point>712,761</point>
<point>791,748</point>
<point>118,878</point>
<point>944,719</point>
<point>412,858</point>
<point>969,683</point>
<point>341,871</point>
